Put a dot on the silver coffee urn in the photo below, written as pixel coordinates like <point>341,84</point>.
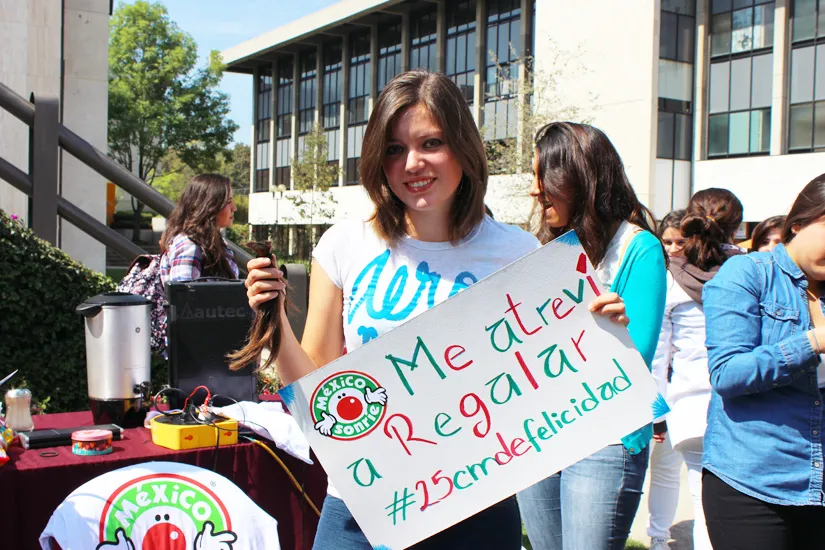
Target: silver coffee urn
<point>118,357</point>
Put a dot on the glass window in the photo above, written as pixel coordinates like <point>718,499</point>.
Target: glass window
<point>359,78</point>
<point>306,92</point>
<point>741,77</point>
<point>741,26</point>
<point>718,135</point>
<point>283,160</point>
<point>357,106</point>
<point>333,62</point>
<point>675,130</point>
<point>720,87</point>
<point>807,82</point>
<point>801,126</point>
<point>285,82</point>
<point>665,134</point>
<point>389,51</point>
<point>685,7</point>
<point>743,88</point>
<point>423,33</point>
<point>461,46</point>
<point>819,126</point>
<point>501,94</point>
<point>262,132</point>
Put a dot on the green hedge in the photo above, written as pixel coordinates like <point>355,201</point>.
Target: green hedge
<point>40,286</point>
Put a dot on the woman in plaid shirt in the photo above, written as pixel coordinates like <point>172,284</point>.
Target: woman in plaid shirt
<point>192,246</point>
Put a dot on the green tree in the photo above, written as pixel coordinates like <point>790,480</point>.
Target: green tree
<point>313,174</point>
<point>236,168</point>
<point>159,100</point>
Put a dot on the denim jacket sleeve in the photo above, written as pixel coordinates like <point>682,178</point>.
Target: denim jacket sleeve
<point>740,363</point>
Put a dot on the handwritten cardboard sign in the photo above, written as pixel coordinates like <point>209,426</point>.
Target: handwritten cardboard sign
<point>476,399</point>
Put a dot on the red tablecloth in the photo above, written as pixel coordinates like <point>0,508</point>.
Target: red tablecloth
<point>32,486</point>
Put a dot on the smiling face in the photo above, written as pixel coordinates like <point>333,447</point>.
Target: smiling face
<point>420,167</point>
<point>674,241</point>
<point>555,210</point>
<point>227,214</point>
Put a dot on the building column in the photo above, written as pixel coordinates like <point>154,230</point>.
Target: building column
<point>319,83</point>
<point>779,99</point>
<point>253,149</point>
<point>342,141</point>
<point>296,88</point>
<point>373,67</point>
<point>481,61</point>
<point>701,76</point>
<point>523,141</point>
<point>405,42</point>
<point>441,37</point>
<point>272,127</point>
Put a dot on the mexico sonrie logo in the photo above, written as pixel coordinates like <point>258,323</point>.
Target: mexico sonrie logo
<point>348,405</point>
<point>165,512</point>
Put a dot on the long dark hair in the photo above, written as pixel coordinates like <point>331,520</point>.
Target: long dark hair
<point>577,163</point>
<point>808,207</point>
<point>446,104</point>
<point>710,221</point>
<point>760,234</point>
<point>195,216</point>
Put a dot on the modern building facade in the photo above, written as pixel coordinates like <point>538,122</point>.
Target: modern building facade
<point>59,48</point>
<point>693,93</point>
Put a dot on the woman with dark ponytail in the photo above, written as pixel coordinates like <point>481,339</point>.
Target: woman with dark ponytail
<point>709,224</point>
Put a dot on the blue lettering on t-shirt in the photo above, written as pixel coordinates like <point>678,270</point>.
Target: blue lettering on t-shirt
<point>390,307</point>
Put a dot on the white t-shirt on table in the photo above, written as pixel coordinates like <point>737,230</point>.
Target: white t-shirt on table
<point>384,287</point>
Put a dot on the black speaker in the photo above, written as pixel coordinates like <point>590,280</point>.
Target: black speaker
<point>206,321</point>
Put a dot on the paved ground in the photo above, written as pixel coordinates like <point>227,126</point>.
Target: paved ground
<point>682,531</point>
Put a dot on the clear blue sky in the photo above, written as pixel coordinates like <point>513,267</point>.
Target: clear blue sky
<point>221,24</point>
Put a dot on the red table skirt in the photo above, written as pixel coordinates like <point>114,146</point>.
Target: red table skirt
<point>32,486</point>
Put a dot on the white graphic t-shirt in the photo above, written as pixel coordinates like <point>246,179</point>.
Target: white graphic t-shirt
<point>384,287</point>
<point>164,505</point>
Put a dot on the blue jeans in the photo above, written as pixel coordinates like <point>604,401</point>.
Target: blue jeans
<point>587,506</point>
<point>499,527</point>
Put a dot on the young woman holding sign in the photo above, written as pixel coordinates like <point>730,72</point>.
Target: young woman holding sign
<point>425,170</point>
<point>580,184</point>
<point>762,483</point>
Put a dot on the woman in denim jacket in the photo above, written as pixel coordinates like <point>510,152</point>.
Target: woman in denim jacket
<point>763,460</point>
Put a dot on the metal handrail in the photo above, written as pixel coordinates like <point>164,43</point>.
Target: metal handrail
<point>100,163</point>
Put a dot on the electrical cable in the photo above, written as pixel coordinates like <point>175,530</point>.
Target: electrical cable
<point>288,472</point>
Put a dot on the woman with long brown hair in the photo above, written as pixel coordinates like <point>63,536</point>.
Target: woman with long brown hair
<point>581,185</point>
<point>762,482</point>
<point>192,245</point>
<point>424,167</point>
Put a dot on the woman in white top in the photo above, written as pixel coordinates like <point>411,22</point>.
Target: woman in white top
<point>665,463</point>
<point>710,222</point>
<point>424,167</point>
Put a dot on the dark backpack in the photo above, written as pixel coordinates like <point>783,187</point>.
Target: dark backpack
<point>143,278</point>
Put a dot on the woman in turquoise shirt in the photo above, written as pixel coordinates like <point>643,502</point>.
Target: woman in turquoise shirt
<point>580,184</point>
<point>763,461</point>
